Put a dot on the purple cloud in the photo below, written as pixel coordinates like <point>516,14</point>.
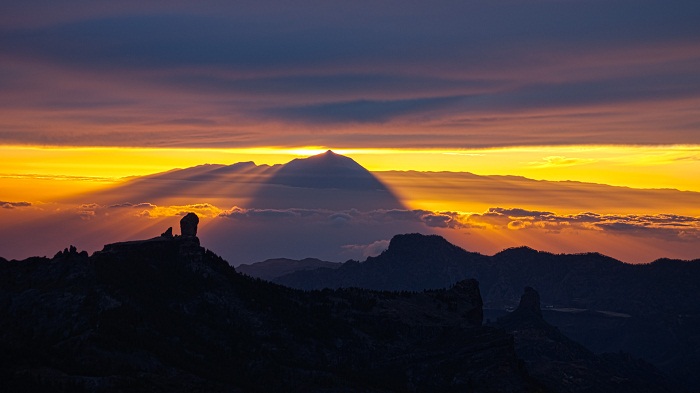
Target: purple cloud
<point>453,74</point>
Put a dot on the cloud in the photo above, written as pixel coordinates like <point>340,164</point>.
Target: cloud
<point>13,205</point>
<point>368,250</point>
<point>54,176</point>
<point>150,210</point>
<point>663,226</point>
<point>456,74</point>
<point>86,214</point>
<point>352,87</point>
<point>438,220</point>
<point>561,161</point>
<point>669,227</point>
<point>361,111</point>
<point>265,214</point>
<point>247,37</point>
<point>143,205</point>
<point>120,205</point>
<point>201,209</point>
<point>246,235</point>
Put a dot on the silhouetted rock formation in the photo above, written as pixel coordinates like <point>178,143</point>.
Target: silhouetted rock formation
<point>165,315</point>
<point>530,302</point>
<point>168,233</point>
<point>68,252</point>
<point>651,311</point>
<point>563,365</point>
<point>188,225</point>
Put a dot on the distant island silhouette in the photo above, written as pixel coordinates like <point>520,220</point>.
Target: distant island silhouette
<point>327,180</point>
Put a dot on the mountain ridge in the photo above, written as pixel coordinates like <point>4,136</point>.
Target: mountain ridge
<point>165,314</point>
<point>603,303</point>
<point>564,365</point>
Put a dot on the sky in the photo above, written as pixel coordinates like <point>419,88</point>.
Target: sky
<point>95,93</point>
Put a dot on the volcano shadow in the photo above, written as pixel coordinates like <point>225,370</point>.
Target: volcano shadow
<point>324,181</point>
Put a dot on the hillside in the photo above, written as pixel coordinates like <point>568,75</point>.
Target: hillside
<point>651,311</point>
<point>165,314</point>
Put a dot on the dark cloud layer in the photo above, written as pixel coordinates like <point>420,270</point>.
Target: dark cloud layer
<point>666,226</point>
<point>156,72</point>
<point>363,111</point>
<point>13,205</point>
<point>245,235</point>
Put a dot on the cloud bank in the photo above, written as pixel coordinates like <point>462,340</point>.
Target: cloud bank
<point>666,226</point>
<point>445,74</point>
<point>13,205</point>
<point>245,235</point>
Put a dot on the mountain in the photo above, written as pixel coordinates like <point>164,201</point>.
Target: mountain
<point>563,365</point>
<point>324,181</point>
<point>273,268</point>
<point>412,262</point>
<point>651,311</point>
<point>164,314</point>
<point>326,170</point>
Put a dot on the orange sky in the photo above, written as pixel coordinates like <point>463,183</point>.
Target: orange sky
<point>675,167</point>
<point>633,203</point>
<point>596,95</point>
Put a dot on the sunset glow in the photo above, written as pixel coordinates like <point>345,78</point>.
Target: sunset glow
<point>568,127</point>
<point>675,167</point>
<point>462,188</point>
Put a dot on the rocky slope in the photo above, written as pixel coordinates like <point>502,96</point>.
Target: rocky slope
<point>165,314</point>
<point>563,365</point>
<point>651,311</point>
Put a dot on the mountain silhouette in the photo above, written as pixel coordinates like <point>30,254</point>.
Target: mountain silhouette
<point>326,170</point>
<point>273,268</point>
<point>166,315</point>
<point>325,181</point>
<point>412,262</point>
<point>651,311</point>
<point>563,365</point>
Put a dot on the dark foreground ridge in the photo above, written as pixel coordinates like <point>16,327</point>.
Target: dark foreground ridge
<point>166,315</point>
<point>651,311</point>
<point>563,365</point>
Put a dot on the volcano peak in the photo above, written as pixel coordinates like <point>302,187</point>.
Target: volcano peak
<point>325,180</point>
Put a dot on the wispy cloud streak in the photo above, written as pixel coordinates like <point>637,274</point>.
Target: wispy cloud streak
<point>468,74</point>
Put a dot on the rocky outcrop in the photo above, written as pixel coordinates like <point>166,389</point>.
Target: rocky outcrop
<point>165,315</point>
<point>651,311</point>
<point>168,233</point>
<point>563,365</point>
<point>530,302</point>
<point>188,225</point>
<point>70,251</point>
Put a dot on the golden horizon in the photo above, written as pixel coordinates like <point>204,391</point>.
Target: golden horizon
<point>658,166</point>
